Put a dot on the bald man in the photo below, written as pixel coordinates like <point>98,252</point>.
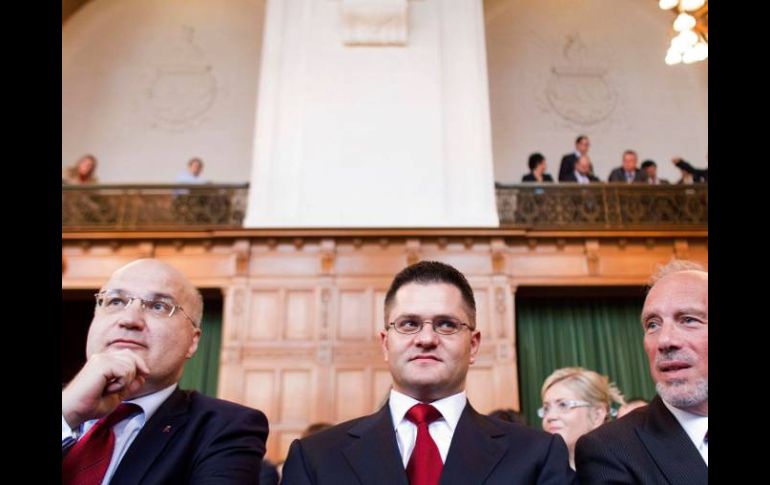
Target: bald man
<point>665,442</point>
<point>146,325</point>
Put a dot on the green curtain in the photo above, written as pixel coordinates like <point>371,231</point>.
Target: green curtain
<point>201,373</point>
<point>601,334</point>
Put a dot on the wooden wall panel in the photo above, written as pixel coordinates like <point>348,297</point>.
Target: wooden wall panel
<point>379,312</point>
<point>265,315</point>
<point>381,386</point>
<point>352,394</point>
<point>480,388</point>
<point>296,398</point>
<point>259,390</point>
<point>300,315</point>
<point>483,323</point>
<point>356,315</point>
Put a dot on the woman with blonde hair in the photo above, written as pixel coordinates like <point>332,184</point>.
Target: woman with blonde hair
<point>576,401</point>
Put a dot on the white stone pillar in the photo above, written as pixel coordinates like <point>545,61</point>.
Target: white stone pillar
<point>373,113</point>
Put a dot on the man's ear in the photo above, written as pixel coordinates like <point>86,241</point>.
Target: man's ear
<point>194,344</point>
<point>475,343</point>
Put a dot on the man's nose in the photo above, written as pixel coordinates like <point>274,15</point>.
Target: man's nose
<point>427,335</point>
<point>133,315</point>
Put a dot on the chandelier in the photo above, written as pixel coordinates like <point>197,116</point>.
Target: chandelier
<point>691,26</point>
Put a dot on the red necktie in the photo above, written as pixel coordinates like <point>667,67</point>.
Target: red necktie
<point>88,459</point>
<point>424,467</point>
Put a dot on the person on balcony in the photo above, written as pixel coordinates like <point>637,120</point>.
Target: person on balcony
<point>690,174</point>
<point>81,173</point>
<point>537,168</point>
<point>628,172</point>
<point>581,174</point>
<point>650,169</point>
<point>568,161</point>
<point>192,175</point>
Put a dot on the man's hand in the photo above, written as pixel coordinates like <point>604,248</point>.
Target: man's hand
<point>105,380</point>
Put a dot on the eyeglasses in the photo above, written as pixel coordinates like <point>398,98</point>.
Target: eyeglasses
<point>110,303</point>
<point>561,407</point>
<point>441,325</point>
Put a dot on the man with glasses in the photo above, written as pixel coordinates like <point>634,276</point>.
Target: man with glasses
<point>428,432</point>
<point>667,440</point>
<point>124,420</point>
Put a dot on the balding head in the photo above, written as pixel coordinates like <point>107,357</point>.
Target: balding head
<point>675,322</point>
<point>154,272</point>
<point>147,307</point>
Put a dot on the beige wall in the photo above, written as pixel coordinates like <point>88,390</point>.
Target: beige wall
<point>559,68</point>
<point>148,84</point>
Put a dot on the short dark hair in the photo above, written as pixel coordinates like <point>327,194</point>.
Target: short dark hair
<point>580,138</point>
<point>535,159</point>
<point>426,272</point>
<point>193,160</point>
<point>648,163</point>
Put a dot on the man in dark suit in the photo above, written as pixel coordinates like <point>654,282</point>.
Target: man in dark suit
<point>667,441</point>
<point>568,161</point>
<point>146,325</point>
<point>429,341</point>
<point>650,169</point>
<point>582,172</point>
<point>697,175</point>
<point>628,172</point>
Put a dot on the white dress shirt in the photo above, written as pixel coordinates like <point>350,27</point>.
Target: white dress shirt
<point>695,426</point>
<point>441,430</point>
<point>582,179</point>
<point>126,430</point>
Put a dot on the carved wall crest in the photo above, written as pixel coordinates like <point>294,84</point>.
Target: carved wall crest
<point>577,89</point>
<point>183,87</point>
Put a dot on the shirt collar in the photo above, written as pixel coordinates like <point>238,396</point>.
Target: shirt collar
<point>450,407</point>
<point>151,402</point>
<point>694,425</point>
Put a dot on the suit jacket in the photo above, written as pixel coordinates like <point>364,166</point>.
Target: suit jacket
<point>193,438</point>
<point>571,178</point>
<point>567,166</point>
<point>483,451</point>
<point>530,177</point>
<point>698,175</point>
<point>618,175</point>
<point>647,446</point>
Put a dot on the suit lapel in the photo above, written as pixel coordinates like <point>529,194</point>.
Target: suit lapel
<point>374,456</point>
<point>670,447</point>
<point>167,421</point>
<point>474,451</point>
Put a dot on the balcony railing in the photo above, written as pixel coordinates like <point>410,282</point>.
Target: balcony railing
<point>524,206</point>
<point>603,206</point>
<point>153,207</point>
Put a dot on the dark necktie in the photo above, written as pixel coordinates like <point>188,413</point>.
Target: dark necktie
<point>88,459</point>
<point>424,467</point>
<point>706,438</point>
